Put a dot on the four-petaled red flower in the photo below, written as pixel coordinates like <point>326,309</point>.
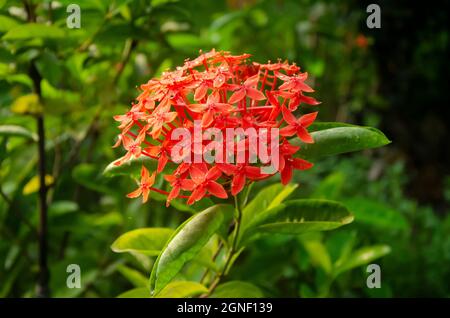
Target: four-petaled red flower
<point>145,185</point>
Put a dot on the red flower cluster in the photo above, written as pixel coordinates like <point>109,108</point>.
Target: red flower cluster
<point>221,91</point>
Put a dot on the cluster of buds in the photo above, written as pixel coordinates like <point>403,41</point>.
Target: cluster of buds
<point>217,92</point>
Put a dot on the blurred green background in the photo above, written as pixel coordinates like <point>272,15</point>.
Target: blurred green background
<point>74,80</point>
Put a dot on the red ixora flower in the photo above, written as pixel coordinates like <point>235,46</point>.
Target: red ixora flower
<point>220,91</point>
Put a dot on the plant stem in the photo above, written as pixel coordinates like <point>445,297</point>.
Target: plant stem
<point>43,279</point>
<point>44,275</point>
<point>232,251</point>
<point>42,289</point>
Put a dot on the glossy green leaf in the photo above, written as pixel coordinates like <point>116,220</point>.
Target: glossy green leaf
<point>186,242</point>
<point>182,289</point>
<point>237,289</point>
<point>267,198</point>
<point>339,140</point>
<point>141,292</point>
<point>298,217</point>
<point>322,125</point>
<point>17,131</point>
<point>362,256</point>
<point>149,241</point>
<point>33,31</point>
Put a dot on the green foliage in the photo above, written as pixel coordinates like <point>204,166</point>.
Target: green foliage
<point>333,141</point>
<point>298,217</point>
<point>78,79</point>
<point>186,242</point>
<point>149,241</point>
<point>237,289</point>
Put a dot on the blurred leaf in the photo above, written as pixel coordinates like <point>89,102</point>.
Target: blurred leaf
<point>27,104</point>
<point>131,167</point>
<point>299,216</point>
<point>318,253</point>
<point>330,188</point>
<point>7,23</point>
<point>34,184</point>
<point>87,175</point>
<point>181,289</point>
<point>58,101</point>
<point>33,31</point>
<point>186,242</point>
<point>339,140</point>
<point>133,276</point>
<point>136,293</point>
<point>17,131</point>
<point>362,256</point>
<point>237,289</point>
<point>49,67</point>
<point>62,207</point>
<point>376,214</point>
<point>149,241</point>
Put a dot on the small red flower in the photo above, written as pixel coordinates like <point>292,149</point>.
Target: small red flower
<point>298,126</point>
<point>205,181</point>
<point>146,183</point>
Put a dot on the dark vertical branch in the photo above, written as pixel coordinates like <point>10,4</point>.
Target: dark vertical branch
<point>44,274</point>
<point>43,279</point>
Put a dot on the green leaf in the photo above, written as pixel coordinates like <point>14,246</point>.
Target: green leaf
<point>237,289</point>
<point>339,140</point>
<point>148,241</point>
<point>17,131</point>
<point>141,292</point>
<point>318,253</point>
<point>33,31</point>
<point>88,176</point>
<point>131,167</point>
<point>298,217</point>
<point>7,23</point>
<point>27,104</point>
<point>34,184</point>
<point>186,242</point>
<point>362,256</point>
<point>322,125</point>
<point>376,214</point>
<point>133,276</point>
<point>267,198</point>
<point>182,289</point>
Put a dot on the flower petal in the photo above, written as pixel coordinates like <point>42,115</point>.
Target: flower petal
<point>237,96</point>
<point>216,190</point>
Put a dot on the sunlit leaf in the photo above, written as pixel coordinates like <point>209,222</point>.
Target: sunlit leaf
<point>181,289</point>
<point>33,31</point>
<point>237,289</point>
<point>149,241</point>
<point>141,292</point>
<point>34,184</point>
<point>186,242</point>
<point>362,256</point>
